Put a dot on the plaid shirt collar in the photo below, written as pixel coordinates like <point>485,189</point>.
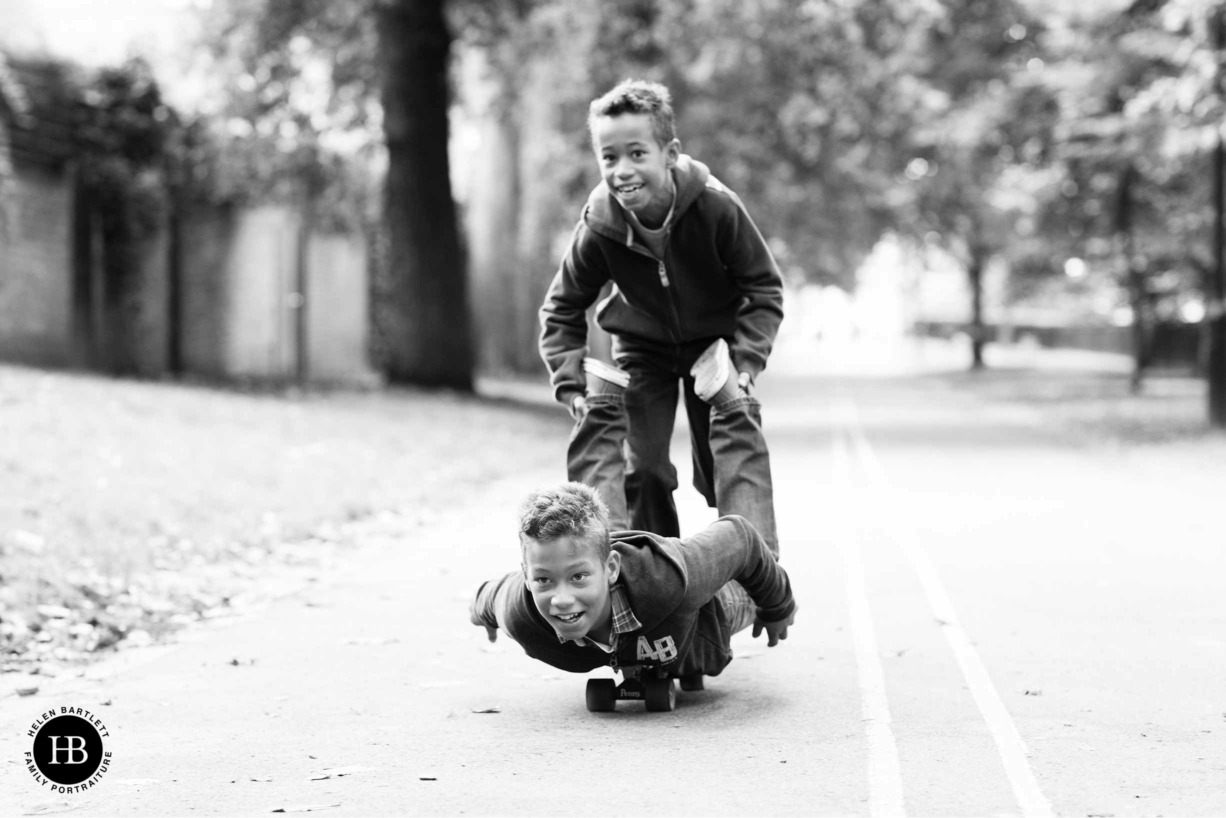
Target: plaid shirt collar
<point>624,619</point>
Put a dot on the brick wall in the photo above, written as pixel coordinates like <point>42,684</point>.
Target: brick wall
<point>36,270</point>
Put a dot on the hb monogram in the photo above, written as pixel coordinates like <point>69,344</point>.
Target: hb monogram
<point>76,744</point>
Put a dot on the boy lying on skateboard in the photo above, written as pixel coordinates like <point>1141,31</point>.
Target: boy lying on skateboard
<point>663,607</point>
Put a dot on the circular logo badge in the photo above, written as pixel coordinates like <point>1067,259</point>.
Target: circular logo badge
<point>68,755</point>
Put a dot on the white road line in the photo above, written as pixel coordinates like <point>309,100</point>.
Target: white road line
<point>1000,724</point>
<point>885,796</point>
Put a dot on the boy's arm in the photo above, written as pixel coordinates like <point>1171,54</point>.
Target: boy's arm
<point>490,608</point>
<point>732,549</point>
<point>748,259</point>
<point>563,315</point>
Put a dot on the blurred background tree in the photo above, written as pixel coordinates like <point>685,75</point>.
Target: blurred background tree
<point>311,90</point>
<point>1071,146</point>
<point>1052,139</point>
<point>979,129</point>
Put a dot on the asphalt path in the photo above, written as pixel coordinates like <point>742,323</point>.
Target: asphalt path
<point>992,622</point>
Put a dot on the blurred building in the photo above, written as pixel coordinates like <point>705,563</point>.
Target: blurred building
<point>38,311</point>
<point>228,292</point>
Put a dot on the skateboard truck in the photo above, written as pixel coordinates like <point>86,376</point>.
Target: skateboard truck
<point>650,685</point>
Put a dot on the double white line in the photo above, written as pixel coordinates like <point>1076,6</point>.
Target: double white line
<point>884,773</point>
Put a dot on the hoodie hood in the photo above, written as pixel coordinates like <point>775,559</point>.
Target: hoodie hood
<point>605,216</point>
<point>655,563</point>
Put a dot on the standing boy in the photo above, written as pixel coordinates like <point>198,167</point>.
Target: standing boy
<point>689,269</point>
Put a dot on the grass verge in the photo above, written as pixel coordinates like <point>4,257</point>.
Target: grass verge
<point>128,509</point>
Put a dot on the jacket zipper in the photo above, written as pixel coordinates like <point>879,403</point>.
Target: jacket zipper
<point>662,272</point>
<point>672,302</point>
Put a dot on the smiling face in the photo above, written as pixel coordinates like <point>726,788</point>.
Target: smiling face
<point>570,585</point>
<point>636,167</point>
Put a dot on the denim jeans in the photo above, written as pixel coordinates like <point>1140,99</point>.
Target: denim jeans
<point>742,474</point>
<point>739,607</point>
<point>595,455</point>
<point>659,375</point>
<point>740,480</point>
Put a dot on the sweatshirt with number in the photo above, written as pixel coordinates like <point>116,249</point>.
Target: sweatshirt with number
<point>717,279</point>
<point>671,585</point>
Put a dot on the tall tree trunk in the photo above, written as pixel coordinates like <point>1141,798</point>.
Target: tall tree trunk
<point>427,326</point>
<point>974,272</point>
<point>1134,277</point>
<point>1215,292</point>
<point>492,211</point>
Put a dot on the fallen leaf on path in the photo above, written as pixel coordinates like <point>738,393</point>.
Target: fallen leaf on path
<point>50,807</point>
<point>494,709</point>
<point>373,640</point>
<point>305,808</point>
<point>338,772</point>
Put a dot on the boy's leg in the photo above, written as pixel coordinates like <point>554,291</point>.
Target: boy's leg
<point>698,412</point>
<point>651,407</point>
<point>738,605</point>
<point>741,473</point>
<point>742,466</point>
<point>595,455</point>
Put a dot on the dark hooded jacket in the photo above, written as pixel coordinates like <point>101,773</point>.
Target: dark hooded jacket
<point>717,280</point>
<point>671,586</point>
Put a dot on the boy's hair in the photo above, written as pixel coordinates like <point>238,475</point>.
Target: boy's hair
<point>571,509</point>
<point>637,97</point>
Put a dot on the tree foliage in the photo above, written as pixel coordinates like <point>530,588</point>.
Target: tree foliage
<point>314,106</point>
<point>1010,130</point>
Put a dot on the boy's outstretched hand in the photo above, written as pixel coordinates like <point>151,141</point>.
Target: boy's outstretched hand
<point>490,631</point>
<point>774,630</point>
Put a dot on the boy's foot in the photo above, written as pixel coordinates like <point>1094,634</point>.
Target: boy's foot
<point>603,379</point>
<point>714,378</point>
<point>691,681</point>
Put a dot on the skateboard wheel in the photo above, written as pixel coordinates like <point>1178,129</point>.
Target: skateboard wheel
<point>601,695</point>
<point>692,681</point>
<point>660,695</point>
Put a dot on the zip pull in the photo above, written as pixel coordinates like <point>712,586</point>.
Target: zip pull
<point>663,274</point>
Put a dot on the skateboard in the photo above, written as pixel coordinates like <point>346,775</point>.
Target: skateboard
<point>650,685</point>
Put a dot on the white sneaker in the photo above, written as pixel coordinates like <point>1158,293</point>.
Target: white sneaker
<point>714,378</point>
<point>603,379</point>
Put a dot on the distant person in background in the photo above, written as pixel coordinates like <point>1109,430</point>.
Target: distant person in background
<point>696,305</point>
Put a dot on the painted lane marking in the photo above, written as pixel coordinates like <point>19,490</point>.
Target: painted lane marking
<point>1000,724</point>
<point>884,773</point>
